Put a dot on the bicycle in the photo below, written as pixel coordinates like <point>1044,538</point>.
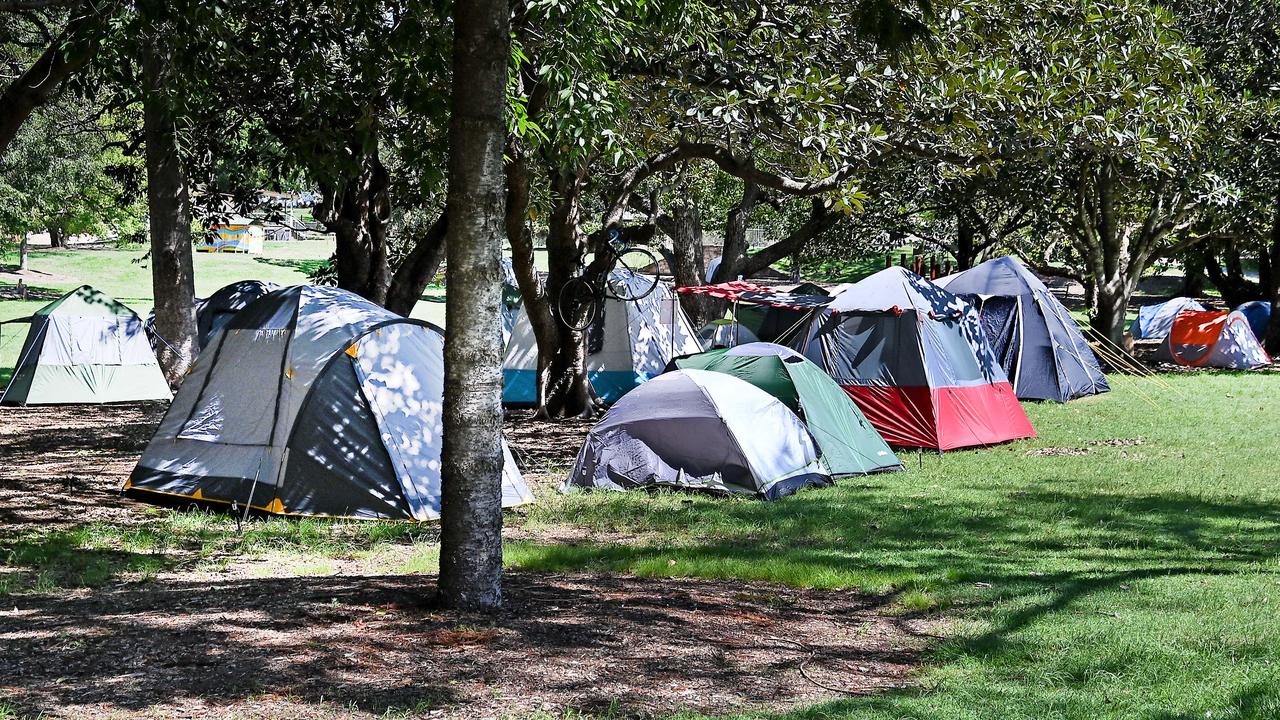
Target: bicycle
<point>580,298</point>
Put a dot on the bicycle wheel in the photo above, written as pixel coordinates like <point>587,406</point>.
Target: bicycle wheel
<point>642,274</point>
<point>577,305</point>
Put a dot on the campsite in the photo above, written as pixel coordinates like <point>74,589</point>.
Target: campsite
<point>640,360</point>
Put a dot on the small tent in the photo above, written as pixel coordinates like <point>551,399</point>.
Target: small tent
<point>629,343</point>
<point>1038,343</point>
<point>1213,339</point>
<point>311,401</point>
<point>237,235</point>
<point>725,333</point>
<point>915,359</point>
<point>703,430</point>
<point>1258,313</point>
<point>850,446</point>
<point>85,347</point>
<point>1155,321</point>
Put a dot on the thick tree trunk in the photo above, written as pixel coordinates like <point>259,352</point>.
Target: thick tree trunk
<point>736,224</point>
<point>66,55</point>
<point>169,211</point>
<point>684,227</point>
<point>1272,335</point>
<point>417,269</point>
<point>356,211</point>
<point>564,390</point>
<point>966,241</point>
<point>471,471</point>
<point>57,238</point>
<point>23,249</point>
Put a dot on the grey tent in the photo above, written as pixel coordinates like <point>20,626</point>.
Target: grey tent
<point>312,401</point>
<point>700,429</point>
<point>1038,343</point>
<point>85,347</point>
<point>214,312</point>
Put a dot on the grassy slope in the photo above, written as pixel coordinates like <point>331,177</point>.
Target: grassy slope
<point>1134,581</point>
<point>116,273</point>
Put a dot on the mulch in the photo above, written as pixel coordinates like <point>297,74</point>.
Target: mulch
<point>220,642</point>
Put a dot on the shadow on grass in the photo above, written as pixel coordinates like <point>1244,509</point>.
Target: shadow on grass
<point>306,267</point>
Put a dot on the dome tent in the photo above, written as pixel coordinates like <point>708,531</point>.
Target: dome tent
<point>1037,342</point>
<point>850,446</point>
<point>214,312</point>
<point>1213,339</point>
<point>1258,313</point>
<point>85,347</point>
<point>629,343</point>
<point>1155,321</point>
<point>915,359</point>
<point>702,430</point>
<point>312,401</point>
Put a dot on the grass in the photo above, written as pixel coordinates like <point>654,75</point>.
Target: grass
<point>1139,580</point>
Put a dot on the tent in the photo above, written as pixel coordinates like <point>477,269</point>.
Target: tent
<point>214,312</point>
<point>704,430</point>
<point>85,347</point>
<point>1213,339</point>
<point>915,359</point>
<point>629,343</point>
<point>237,235</point>
<point>1258,313</point>
<point>511,299</point>
<point>1154,321</point>
<point>778,324</point>
<point>725,333</point>
<point>312,401</point>
<point>1037,341</point>
<point>850,446</point>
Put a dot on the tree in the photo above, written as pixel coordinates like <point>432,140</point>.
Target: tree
<point>471,472</point>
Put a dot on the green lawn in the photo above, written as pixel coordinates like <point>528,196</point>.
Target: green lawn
<point>1139,579</point>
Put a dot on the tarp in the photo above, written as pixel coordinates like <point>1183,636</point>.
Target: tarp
<point>311,401</point>
<point>1155,321</point>
<point>702,430</point>
<point>849,444</point>
<point>85,347</point>
<point>630,343</point>
<point>1213,339</point>
<point>1038,343</point>
<point>916,360</point>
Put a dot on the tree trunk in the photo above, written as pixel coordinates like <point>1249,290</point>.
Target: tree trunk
<point>23,249</point>
<point>57,238</point>
<point>1272,335</point>
<point>169,211</point>
<point>736,224</point>
<point>684,227</point>
<point>355,210</point>
<point>471,469</point>
<point>417,269</point>
<point>966,245</point>
<point>564,390</point>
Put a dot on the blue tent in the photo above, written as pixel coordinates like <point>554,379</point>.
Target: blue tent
<point>1155,321</point>
<point>1258,313</point>
<point>1037,341</point>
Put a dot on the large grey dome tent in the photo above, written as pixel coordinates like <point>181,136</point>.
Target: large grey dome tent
<point>704,430</point>
<point>311,401</point>
<point>1038,343</point>
<point>85,347</point>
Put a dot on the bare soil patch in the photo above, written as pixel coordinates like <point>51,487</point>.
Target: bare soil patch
<point>232,641</point>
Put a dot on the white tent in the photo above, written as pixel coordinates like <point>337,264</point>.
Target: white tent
<point>629,343</point>
<point>311,401</point>
<point>700,429</point>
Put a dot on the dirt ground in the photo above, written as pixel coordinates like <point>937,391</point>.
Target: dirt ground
<point>230,643</point>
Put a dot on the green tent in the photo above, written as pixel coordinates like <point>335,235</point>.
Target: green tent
<point>85,347</point>
<point>849,444</point>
